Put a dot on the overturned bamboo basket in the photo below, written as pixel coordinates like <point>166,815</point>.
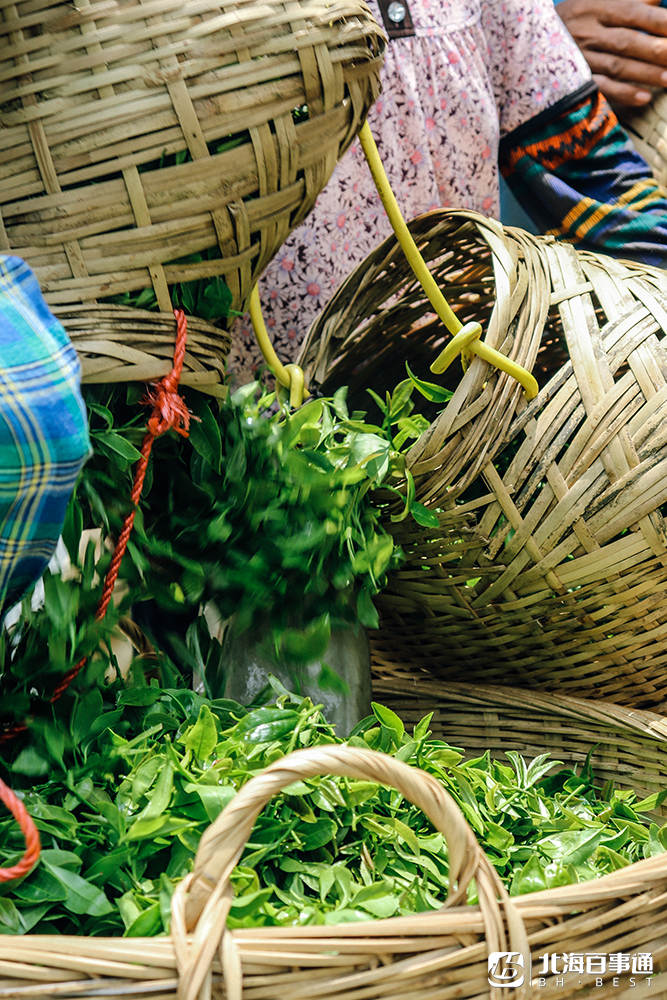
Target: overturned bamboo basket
<point>144,145</point>
<point>549,568</point>
<point>439,954</point>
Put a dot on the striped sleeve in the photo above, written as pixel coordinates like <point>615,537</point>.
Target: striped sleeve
<point>577,174</point>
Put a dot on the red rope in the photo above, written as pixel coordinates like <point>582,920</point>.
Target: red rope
<point>29,831</point>
<point>169,413</point>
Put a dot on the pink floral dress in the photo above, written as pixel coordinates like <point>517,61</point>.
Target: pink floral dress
<point>474,70</point>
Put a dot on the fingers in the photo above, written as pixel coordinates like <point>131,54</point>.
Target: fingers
<point>622,93</point>
<point>639,15</point>
<point>624,43</point>
<point>630,44</point>
<point>643,74</point>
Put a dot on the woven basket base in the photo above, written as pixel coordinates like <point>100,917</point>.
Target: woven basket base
<point>145,145</point>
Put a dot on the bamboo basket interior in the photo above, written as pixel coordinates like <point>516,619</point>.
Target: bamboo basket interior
<point>549,568</point>
<point>145,144</point>
<point>628,744</point>
<point>440,954</point>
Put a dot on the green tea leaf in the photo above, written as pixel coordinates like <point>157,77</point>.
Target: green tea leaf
<point>148,923</point>
<point>205,433</point>
<point>421,729</point>
<point>31,763</point>
<point>376,900</point>
<point>203,736</point>
<point>161,795</point>
<point>109,441</point>
<point>339,403</point>
<point>86,712</point>
<point>650,803</point>
<point>82,896</point>
<point>214,797</point>
<point>389,720</point>
<point>530,878</point>
<point>40,887</point>
<point>318,834</point>
<point>266,724</point>
<point>10,920</point>
<point>422,515</point>
<point>434,393</point>
<point>306,645</point>
<point>572,847</point>
<point>139,696</point>
<point>366,610</point>
<point>215,300</point>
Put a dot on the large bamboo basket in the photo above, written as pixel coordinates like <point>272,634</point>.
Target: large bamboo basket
<point>439,955</point>
<point>550,565</point>
<point>263,98</point>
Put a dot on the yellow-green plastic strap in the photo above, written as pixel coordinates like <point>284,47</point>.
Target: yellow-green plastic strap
<point>467,339</point>
<point>291,376</point>
<point>427,281</point>
<point>403,234</point>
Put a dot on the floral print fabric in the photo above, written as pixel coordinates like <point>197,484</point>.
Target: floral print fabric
<point>475,70</point>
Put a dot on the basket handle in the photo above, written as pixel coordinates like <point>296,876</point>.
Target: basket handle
<point>202,901</point>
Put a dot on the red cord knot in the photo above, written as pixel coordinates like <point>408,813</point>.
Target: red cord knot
<point>169,409</point>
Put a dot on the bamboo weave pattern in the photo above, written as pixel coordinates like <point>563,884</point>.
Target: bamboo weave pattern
<point>117,344</point>
<point>136,135</point>
<point>550,564</point>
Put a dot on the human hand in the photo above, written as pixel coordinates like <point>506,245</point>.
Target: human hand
<point>624,42</point>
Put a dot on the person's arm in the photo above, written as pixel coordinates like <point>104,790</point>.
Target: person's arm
<point>575,170</point>
<point>624,43</point>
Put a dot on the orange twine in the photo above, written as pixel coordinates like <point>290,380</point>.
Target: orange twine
<point>169,413</point>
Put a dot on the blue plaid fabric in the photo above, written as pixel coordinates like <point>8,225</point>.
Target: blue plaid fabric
<point>43,430</point>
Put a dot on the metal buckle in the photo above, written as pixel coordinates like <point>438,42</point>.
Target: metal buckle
<point>396,18</point>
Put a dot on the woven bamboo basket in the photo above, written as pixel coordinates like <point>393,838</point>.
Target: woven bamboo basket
<point>135,135</point>
<point>116,344</point>
<point>647,128</point>
<point>549,568</point>
<point>441,954</point>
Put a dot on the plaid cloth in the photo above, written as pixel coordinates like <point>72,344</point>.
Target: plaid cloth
<point>576,173</point>
<point>43,430</point>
